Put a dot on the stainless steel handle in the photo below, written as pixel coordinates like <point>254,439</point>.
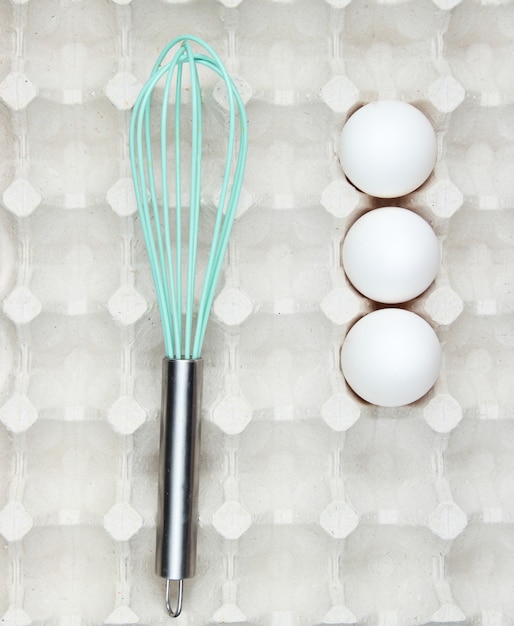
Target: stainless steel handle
<point>177,514</point>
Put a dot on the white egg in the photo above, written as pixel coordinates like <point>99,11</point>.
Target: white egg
<point>387,148</point>
<point>390,255</point>
<point>391,357</point>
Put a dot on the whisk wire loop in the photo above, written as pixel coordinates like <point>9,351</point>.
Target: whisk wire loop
<point>226,207</point>
<point>141,152</point>
<point>144,187</point>
<point>166,255</point>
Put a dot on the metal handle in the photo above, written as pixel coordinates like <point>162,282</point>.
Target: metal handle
<point>177,512</point>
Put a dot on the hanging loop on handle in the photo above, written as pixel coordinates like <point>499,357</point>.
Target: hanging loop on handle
<point>178,610</point>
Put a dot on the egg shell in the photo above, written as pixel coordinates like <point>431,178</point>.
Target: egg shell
<point>388,148</point>
<point>391,255</point>
<point>391,357</point>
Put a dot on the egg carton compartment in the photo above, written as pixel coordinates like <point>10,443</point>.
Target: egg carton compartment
<point>314,507</point>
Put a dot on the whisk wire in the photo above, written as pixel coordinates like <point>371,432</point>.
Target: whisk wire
<point>171,283</point>
<point>196,172</point>
<point>178,214</point>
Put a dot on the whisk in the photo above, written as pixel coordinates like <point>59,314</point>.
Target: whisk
<point>166,221</point>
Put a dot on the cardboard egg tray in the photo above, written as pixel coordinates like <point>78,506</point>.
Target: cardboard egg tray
<point>315,507</point>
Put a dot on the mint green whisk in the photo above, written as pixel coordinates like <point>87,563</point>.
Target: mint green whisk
<point>171,231</point>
